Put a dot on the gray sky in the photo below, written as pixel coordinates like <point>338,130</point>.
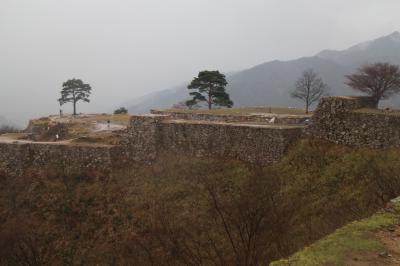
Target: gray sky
<point>127,48</point>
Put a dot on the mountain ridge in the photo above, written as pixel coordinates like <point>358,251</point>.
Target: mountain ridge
<point>270,83</point>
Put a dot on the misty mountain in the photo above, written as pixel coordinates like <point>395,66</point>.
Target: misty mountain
<point>159,99</point>
<point>4,122</point>
<point>270,83</point>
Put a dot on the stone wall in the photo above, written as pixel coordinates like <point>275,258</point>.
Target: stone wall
<point>143,137</point>
<point>69,160</point>
<point>149,135</point>
<point>256,118</point>
<point>45,129</point>
<point>344,120</point>
<point>354,121</point>
<point>255,144</point>
<point>337,119</point>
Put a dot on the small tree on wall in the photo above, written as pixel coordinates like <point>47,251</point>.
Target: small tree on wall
<point>380,80</point>
<point>309,88</point>
<point>74,90</point>
<point>210,88</point>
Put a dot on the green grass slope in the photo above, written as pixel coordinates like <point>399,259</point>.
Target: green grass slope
<point>336,247</point>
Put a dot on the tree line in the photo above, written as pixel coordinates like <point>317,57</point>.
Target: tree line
<point>379,81</point>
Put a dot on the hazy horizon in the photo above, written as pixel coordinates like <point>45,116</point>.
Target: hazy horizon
<point>126,49</point>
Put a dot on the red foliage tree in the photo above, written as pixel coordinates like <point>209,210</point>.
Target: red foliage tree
<point>379,80</point>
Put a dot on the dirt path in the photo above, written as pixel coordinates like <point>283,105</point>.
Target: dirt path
<point>10,139</point>
<point>108,127</point>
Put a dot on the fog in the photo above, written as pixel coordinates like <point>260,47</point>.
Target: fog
<point>127,48</point>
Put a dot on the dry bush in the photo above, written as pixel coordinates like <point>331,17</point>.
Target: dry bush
<point>24,242</point>
<point>187,211</point>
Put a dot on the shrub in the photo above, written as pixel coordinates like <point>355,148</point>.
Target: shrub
<point>121,111</point>
<point>8,129</point>
<point>187,211</point>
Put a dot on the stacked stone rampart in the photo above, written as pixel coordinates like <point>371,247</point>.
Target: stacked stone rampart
<point>149,135</point>
<point>354,121</point>
<point>239,118</point>
<point>142,143</point>
<point>255,144</point>
<point>345,120</point>
<point>69,160</point>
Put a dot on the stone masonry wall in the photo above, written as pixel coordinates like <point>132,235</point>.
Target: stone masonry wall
<point>254,144</point>
<point>16,158</point>
<point>143,142</point>
<point>257,118</point>
<point>342,120</point>
<point>148,135</point>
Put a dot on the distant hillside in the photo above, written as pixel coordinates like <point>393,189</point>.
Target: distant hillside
<point>8,123</point>
<point>3,121</point>
<point>270,83</point>
<point>160,99</point>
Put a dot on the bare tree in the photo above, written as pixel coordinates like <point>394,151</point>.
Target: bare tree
<point>379,80</point>
<point>309,88</point>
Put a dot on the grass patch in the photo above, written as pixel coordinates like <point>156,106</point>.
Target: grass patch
<point>16,136</point>
<point>69,127</point>
<point>41,121</point>
<point>122,119</point>
<point>354,237</point>
<point>244,111</point>
<point>107,138</point>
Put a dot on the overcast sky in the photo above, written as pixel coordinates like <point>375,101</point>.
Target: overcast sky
<point>127,48</point>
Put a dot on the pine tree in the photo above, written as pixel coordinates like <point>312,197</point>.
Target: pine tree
<point>210,88</point>
<point>74,90</point>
